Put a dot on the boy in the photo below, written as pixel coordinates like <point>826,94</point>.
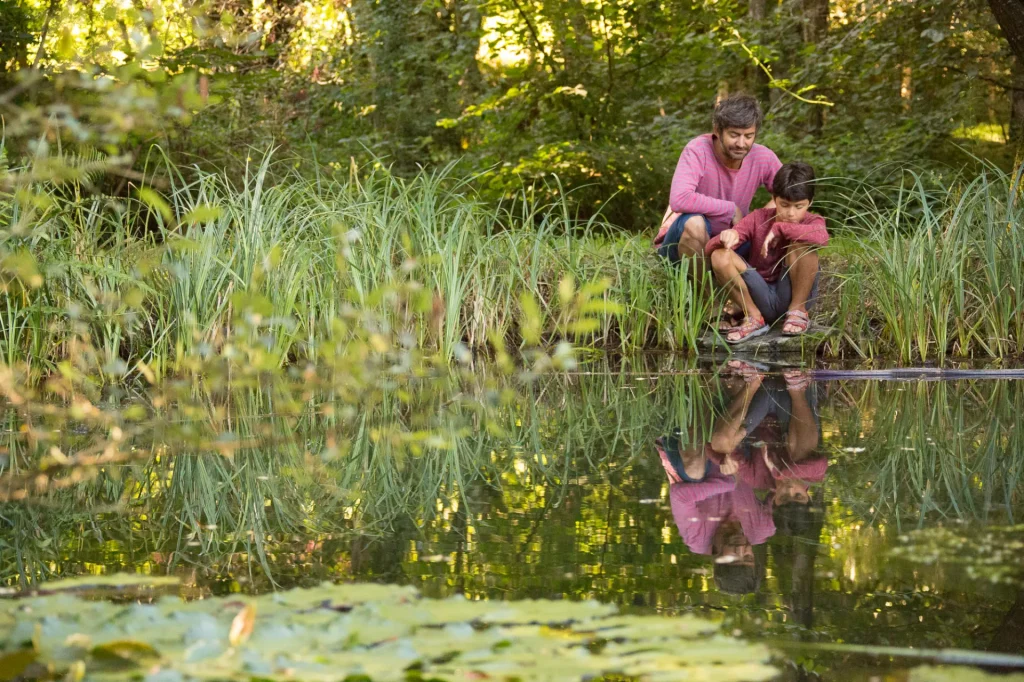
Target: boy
<point>781,277</point>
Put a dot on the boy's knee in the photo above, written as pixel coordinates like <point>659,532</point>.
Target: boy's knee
<point>801,253</point>
<point>722,258</point>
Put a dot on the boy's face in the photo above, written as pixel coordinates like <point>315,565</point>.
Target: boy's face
<point>736,142</point>
<point>787,211</point>
<point>791,490</point>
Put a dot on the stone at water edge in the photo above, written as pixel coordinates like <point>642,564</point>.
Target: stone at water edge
<point>772,343</point>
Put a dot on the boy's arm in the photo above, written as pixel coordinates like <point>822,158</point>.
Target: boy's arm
<point>744,230</point>
<point>684,197</point>
<point>811,231</point>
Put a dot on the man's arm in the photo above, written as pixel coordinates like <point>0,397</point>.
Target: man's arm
<point>684,197</point>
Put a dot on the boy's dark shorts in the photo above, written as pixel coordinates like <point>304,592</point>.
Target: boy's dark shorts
<point>772,298</point>
<point>675,233</point>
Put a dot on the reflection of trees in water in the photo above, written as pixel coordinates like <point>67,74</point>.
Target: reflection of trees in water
<point>568,501</point>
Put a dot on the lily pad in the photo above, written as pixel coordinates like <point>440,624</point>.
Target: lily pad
<point>375,632</point>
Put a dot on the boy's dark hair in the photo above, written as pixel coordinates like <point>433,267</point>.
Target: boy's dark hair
<point>794,182</point>
<point>738,111</point>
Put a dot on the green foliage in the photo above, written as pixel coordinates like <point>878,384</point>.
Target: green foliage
<point>363,631</point>
<point>991,555</point>
<point>935,274</point>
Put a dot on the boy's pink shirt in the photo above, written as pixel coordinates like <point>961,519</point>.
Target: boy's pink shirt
<point>759,224</point>
<point>702,185</point>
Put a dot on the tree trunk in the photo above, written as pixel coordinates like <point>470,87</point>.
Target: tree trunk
<point>756,77</point>
<point>1017,103</point>
<point>1010,15</point>
<point>815,29</point>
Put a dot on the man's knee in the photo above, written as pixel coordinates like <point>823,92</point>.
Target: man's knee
<point>696,228</point>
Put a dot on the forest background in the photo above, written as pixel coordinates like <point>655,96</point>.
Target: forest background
<point>593,98</point>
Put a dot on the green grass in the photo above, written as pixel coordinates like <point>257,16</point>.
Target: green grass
<point>915,275</point>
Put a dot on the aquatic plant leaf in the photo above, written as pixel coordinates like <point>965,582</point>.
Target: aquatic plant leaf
<point>373,632</point>
<point>125,651</point>
<point>115,580</point>
<point>959,673</point>
<point>14,663</point>
<point>241,626</point>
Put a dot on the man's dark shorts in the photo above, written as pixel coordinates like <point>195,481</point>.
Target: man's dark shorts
<point>675,233</point>
<point>772,298</point>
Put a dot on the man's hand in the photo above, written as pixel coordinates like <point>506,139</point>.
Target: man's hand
<point>730,239</point>
<point>768,241</point>
<point>730,465</point>
<point>737,216</point>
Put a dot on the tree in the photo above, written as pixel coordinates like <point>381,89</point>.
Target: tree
<point>815,29</point>
<point>1010,15</point>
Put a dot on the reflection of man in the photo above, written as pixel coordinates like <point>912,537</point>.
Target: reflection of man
<point>765,440</point>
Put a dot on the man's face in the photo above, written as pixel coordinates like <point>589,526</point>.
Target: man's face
<point>787,211</point>
<point>736,142</point>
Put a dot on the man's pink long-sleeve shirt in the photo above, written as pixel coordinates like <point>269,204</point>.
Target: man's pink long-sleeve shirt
<point>701,184</point>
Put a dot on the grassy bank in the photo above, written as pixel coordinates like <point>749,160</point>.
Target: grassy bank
<point>161,278</point>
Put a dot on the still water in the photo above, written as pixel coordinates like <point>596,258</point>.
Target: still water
<point>793,510</point>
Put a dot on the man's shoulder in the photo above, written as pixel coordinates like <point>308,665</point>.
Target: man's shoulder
<point>813,218</point>
<point>763,154</point>
<point>701,144</point>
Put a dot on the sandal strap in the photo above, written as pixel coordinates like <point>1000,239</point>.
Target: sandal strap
<point>799,314</point>
<point>750,324</point>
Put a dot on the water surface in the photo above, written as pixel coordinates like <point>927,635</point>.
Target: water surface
<point>772,503</point>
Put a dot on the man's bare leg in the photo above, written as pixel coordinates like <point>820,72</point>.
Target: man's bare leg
<point>802,265</point>
<point>729,267</point>
<point>695,236</point>
<point>729,431</point>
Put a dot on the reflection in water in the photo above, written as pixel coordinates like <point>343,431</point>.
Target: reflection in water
<point>746,477</point>
<point>768,500</point>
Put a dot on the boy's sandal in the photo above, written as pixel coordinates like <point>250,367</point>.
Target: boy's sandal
<point>751,327</point>
<point>798,319</point>
<point>797,379</point>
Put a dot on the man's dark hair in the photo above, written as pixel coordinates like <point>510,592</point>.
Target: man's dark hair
<point>794,182</point>
<point>742,578</point>
<point>738,111</point>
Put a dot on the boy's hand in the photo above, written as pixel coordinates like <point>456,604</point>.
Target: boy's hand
<point>730,239</point>
<point>767,244</point>
<point>737,216</point>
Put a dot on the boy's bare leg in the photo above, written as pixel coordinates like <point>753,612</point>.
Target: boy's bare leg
<point>802,265</point>
<point>802,439</point>
<point>729,267</point>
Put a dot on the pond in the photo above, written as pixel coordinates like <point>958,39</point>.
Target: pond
<point>797,511</point>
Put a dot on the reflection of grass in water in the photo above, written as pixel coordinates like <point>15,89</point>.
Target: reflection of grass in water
<point>930,449</point>
<point>314,476</point>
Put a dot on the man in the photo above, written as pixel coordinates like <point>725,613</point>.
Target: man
<point>715,180</point>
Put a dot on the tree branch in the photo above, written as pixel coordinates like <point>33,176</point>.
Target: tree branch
<point>536,37</point>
